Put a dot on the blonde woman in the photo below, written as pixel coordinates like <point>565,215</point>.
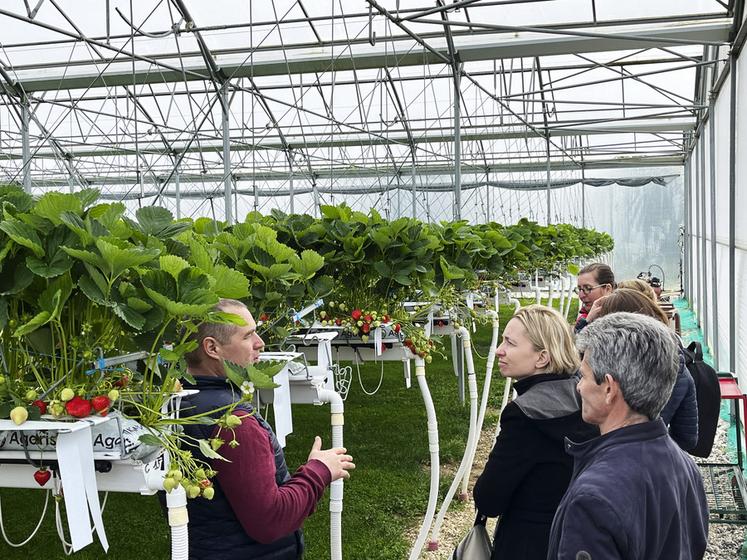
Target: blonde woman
<point>640,286</point>
<point>528,470</point>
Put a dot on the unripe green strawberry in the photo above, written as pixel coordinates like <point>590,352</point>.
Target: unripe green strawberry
<point>113,395</point>
<point>56,408</point>
<point>216,443</point>
<point>66,394</point>
<point>233,421</point>
<point>169,484</point>
<point>176,475</point>
<point>19,415</point>
<point>31,395</point>
<point>193,491</point>
<point>200,474</point>
<point>208,493</point>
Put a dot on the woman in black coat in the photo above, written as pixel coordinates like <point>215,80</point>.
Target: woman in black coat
<point>528,470</point>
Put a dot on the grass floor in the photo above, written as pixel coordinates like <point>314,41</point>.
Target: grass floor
<point>387,494</point>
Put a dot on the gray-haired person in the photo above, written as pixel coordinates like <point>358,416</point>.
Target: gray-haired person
<point>634,494</point>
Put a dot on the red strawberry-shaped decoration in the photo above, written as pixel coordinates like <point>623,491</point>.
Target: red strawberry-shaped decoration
<point>101,404</point>
<point>356,314</point>
<point>42,476</point>
<point>78,407</point>
<point>41,405</point>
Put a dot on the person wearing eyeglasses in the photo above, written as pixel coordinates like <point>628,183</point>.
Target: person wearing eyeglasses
<point>595,280</point>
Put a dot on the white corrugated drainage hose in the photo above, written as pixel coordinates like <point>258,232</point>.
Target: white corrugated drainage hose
<point>570,297</point>
<point>176,501</point>
<point>484,400</point>
<point>336,489</point>
<point>506,392</point>
<point>465,467</point>
<point>563,289</point>
<point>433,447</point>
<point>507,386</point>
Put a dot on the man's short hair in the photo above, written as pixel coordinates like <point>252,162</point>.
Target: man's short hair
<point>639,352</point>
<point>219,331</point>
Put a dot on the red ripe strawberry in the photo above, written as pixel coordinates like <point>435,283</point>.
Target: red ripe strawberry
<point>122,382</point>
<point>41,405</point>
<point>101,404</point>
<point>264,317</point>
<point>368,318</point>
<point>42,476</point>
<point>356,314</point>
<point>365,327</point>
<point>385,319</point>
<point>78,407</point>
<point>396,327</point>
<point>338,321</point>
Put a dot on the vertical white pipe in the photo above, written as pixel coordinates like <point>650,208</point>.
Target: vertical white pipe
<point>226,157</point>
<point>25,146</point>
<point>176,502</point>
<point>504,402</point>
<point>337,409</point>
<point>433,447</point>
<point>562,288</point>
<point>465,466</point>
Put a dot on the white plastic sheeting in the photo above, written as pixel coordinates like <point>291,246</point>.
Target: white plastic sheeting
<point>706,227</point>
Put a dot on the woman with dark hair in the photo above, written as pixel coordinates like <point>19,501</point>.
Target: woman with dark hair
<point>594,281</point>
<point>528,470</point>
<point>681,411</point>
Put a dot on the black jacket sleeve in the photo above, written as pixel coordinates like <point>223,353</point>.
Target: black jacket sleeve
<point>512,458</point>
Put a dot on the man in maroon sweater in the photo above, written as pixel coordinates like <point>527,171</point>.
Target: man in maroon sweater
<point>258,508</point>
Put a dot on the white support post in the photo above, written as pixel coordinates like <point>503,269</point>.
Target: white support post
<point>227,187</point>
<point>25,146</point>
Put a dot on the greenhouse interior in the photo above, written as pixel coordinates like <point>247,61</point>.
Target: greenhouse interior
<point>230,227</point>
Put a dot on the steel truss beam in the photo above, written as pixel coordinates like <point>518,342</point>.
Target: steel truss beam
<point>147,70</point>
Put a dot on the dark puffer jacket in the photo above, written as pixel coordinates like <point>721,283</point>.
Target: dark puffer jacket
<point>681,411</point>
<point>528,470</point>
<point>215,532</point>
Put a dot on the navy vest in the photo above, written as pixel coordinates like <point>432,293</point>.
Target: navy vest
<point>215,532</point>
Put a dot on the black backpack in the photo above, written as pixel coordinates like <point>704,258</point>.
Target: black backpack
<point>708,395</point>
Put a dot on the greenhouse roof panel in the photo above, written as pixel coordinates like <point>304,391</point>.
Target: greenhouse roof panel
<point>313,90</point>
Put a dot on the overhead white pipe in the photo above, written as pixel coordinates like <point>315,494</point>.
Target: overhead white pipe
<point>337,409</point>
<point>433,447</point>
<point>466,465</point>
